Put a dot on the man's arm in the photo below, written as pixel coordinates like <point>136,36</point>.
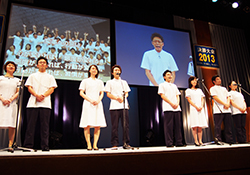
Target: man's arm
<point>169,102</point>
<point>226,105</point>
<point>150,77</point>
<point>114,97</point>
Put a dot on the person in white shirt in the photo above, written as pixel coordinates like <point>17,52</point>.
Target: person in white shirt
<point>92,90</point>
<point>172,111</point>
<point>156,61</point>
<point>40,85</point>
<point>8,107</point>
<point>198,117</point>
<point>221,111</point>
<point>117,90</point>
<point>239,107</point>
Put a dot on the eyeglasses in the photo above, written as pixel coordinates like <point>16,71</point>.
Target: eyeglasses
<point>157,41</point>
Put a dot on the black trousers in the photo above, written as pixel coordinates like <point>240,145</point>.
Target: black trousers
<point>172,127</point>
<point>115,116</point>
<point>239,124</point>
<point>226,118</point>
<point>44,117</point>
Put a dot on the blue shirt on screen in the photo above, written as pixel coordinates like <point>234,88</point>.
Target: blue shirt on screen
<point>157,63</point>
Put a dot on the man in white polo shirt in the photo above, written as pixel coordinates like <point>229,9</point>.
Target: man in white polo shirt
<point>156,61</point>
<point>40,85</point>
<point>221,111</point>
<point>172,111</point>
<point>115,90</point>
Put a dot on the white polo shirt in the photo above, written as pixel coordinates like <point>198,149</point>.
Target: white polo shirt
<point>117,87</point>
<point>40,83</point>
<point>170,90</point>
<point>157,63</point>
<point>222,94</point>
<point>239,100</point>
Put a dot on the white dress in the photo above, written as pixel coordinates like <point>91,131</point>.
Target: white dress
<point>196,119</point>
<point>8,113</point>
<point>92,116</point>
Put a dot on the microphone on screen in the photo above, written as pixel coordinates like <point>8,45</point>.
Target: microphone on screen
<point>118,73</point>
<point>24,67</point>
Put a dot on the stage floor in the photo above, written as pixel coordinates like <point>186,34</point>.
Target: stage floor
<point>120,150</point>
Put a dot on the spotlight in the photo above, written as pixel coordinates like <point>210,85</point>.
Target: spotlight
<point>214,0</point>
<point>235,5</point>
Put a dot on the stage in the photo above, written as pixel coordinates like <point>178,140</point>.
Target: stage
<point>215,159</point>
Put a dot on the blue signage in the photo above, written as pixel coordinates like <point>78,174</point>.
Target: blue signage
<point>206,56</point>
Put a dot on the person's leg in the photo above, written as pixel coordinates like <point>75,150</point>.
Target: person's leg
<point>237,126</point>
<point>194,131</point>
<point>32,115</point>
<point>177,128</point>
<point>243,129</point>
<point>218,118</point>
<point>168,123</point>
<point>228,128</point>
<point>44,114</point>
<point>96,137</point>
<point>114,115</point>
<point>200,135</point>
<point>126,138</point>
<point>11,136</point>
<point>87,137</point>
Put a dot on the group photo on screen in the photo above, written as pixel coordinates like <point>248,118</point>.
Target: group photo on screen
<point>145,52</point>
<point>70,42</point>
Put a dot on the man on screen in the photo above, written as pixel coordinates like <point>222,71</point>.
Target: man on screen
<point>156,61</point>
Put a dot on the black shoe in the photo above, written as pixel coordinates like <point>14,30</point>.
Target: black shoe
<point>170,146</point>
<point>197,144</point>
<point>45,149</point>
<point>181,145</point>
<point>125,146</point>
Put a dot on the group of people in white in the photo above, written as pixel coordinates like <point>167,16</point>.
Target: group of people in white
<point>41,85</point>
<point>63,51</point>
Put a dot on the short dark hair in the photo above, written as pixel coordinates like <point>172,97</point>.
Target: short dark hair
<point>96,69</point>
<point>166,71</point>
<point>40,58</point>
<point>189,82</point>
<point>113,67</point>
<point>156,35</point>
<point>214,77</point>
<point>38,46</point>
<point>6,64</point>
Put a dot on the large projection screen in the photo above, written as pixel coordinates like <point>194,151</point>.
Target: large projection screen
<point>134,40</point>
<point>70,42</point>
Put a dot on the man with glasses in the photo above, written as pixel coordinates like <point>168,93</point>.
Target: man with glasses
<point>40,85</point>
<point>156,61</point>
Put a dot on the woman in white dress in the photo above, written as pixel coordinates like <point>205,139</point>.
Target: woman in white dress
<point>8,106</point>
<point>91,89</point>
<point>198,120</point>
<point>239,107</point>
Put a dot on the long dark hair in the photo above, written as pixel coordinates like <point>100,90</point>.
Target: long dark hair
<point>96,69</point>
<point>189,82</point>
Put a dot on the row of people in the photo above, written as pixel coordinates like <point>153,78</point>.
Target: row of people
<point>47,40</point>
<point>41,85</point>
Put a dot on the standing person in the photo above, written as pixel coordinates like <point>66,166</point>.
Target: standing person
<point>221,111</point>
<point>91,89</point>
<point>239,107</point>
<point>156,61</point>
<point>172,111</point>
<point>116,89</point>
<point>198,120</point>
<point>40,85</point>
<point>8,94</point>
